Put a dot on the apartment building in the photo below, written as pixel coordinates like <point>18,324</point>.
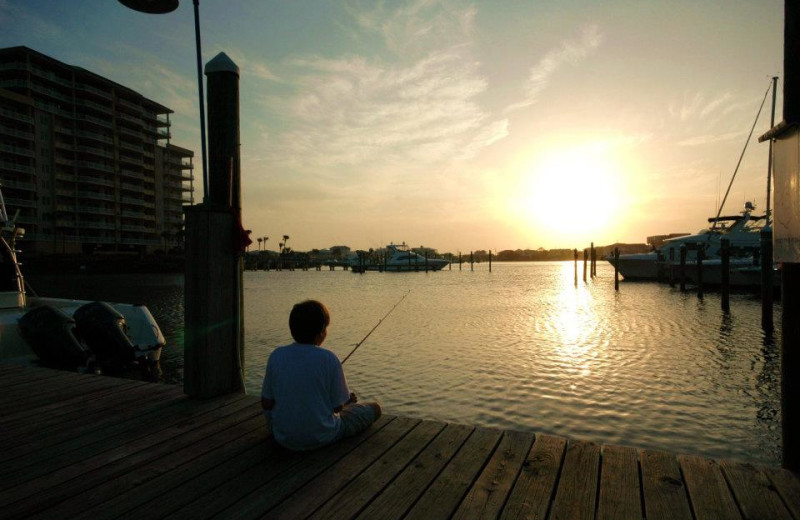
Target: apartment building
<point>87,163</point>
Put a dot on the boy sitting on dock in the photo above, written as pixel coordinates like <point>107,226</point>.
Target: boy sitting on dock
<point>305,396</point>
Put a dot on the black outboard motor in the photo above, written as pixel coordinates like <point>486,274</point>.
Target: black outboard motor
<point>52,336</point>
<point>104,330</point>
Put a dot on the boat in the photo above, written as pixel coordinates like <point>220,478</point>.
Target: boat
<point>396,258</point>
<point>76,334</point>
<point>743,232</point>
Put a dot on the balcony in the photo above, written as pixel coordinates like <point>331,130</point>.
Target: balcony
<point>97,210</point>
<point>64,161</point>
<point>94,136</point>
<point>93,90</point>
<point>16,133</point>
<point>16,116</point>
<point>133,201</point>
<point>95,195</point>
<point>95,166</point>
<point>129,119</point>
<point>139,229</point>
<point>13,202</point>
<point>137,109</point>
<point>132,174</point>
<point>136,188</point>
<point>136,161</point>
<point>95,225</point>
<point>103,109</point>
<point>50,76</point>
<point>94,120</point>
<point>131,133</point>
<point>16,150</point>
<point>96,151</point>
<point>16,167</point>
<point>131,147</point>
<point>96,181</point>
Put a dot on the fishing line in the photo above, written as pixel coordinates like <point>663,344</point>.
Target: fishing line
<point>376,326</point>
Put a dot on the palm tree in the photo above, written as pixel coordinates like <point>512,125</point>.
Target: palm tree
<point>259,243</point>
<point>285,239</point>
<point>265,243</point>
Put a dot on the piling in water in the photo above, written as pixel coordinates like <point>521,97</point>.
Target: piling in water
<point>585,256</point>
<point>575,255</point>
<point>616,269</point>
<point>699,269</point>
<point>725,275</point>
<point>766,279</point>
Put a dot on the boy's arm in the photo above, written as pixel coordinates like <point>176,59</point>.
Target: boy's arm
<point>353,399</point>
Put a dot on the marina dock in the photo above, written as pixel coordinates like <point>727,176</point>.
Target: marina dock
<point>95,447</point>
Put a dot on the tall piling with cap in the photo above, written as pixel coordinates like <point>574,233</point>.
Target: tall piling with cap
<point>213,299</point>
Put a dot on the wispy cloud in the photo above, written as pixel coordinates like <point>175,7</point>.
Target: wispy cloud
<point>570,52</point>
<point>700,140</point>
<point>413,110</point>
<point>412,28</point>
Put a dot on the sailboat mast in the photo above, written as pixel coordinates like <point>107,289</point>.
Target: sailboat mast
<point>769,161</point>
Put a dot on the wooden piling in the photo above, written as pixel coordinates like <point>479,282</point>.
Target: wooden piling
<point>471,261</point>
<point>575,261</point>
<point>459,260</point>
<point>699,262</point>
<point>585,258</point>
<point>725,275</point>
<point>616,269</point>
<point>213,317</point>
<point>790,365</point>
<point>683,267</point>
<point>490,260</point>
<point>766,279</point>
<point>593,260</point>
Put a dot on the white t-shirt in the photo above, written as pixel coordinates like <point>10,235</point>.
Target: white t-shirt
<point>306,382</point>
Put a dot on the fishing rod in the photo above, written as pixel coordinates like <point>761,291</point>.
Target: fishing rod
<point>376,326</point>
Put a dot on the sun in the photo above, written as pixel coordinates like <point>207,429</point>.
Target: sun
<point>571,192</point>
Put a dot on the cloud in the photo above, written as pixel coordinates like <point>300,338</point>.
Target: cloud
<point>351,110</point>
<point>413,28</point>
<point>570,52</point>
<point>700,140</point>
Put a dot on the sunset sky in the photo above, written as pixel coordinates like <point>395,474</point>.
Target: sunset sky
<point>497,124</point>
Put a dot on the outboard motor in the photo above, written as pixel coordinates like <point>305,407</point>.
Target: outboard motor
<point>105,331</point>
<point>52,336</point>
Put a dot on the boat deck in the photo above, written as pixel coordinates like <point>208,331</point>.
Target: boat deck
<point>83,446</point>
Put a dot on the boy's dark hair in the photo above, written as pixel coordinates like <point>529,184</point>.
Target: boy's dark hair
<point>307,320</point>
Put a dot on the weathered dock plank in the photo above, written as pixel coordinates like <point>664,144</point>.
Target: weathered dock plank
<point>577,488</point>
<point>490,490</point>
<point>444,495</point>
<point>535,487</point>
<point>98,448</point>
<point>663,488</point>
<point>755,494</point>
<point>788,487</point>
<point>619,498</point>
<point>403,492</point>
<point>360,491</point>
<point>708,491</point>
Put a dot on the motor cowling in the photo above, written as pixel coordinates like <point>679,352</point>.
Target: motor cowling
<point>104,330</point>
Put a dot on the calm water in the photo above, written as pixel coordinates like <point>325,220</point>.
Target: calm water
<point>519,348</point>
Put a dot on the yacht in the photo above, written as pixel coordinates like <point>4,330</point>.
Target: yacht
<point>742,231</point>
<point>396,258</point>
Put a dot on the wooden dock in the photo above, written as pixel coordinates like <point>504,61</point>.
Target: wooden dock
<point>94,447</point>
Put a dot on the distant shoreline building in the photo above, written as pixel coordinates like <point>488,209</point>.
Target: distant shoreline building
<point>86,161</point>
